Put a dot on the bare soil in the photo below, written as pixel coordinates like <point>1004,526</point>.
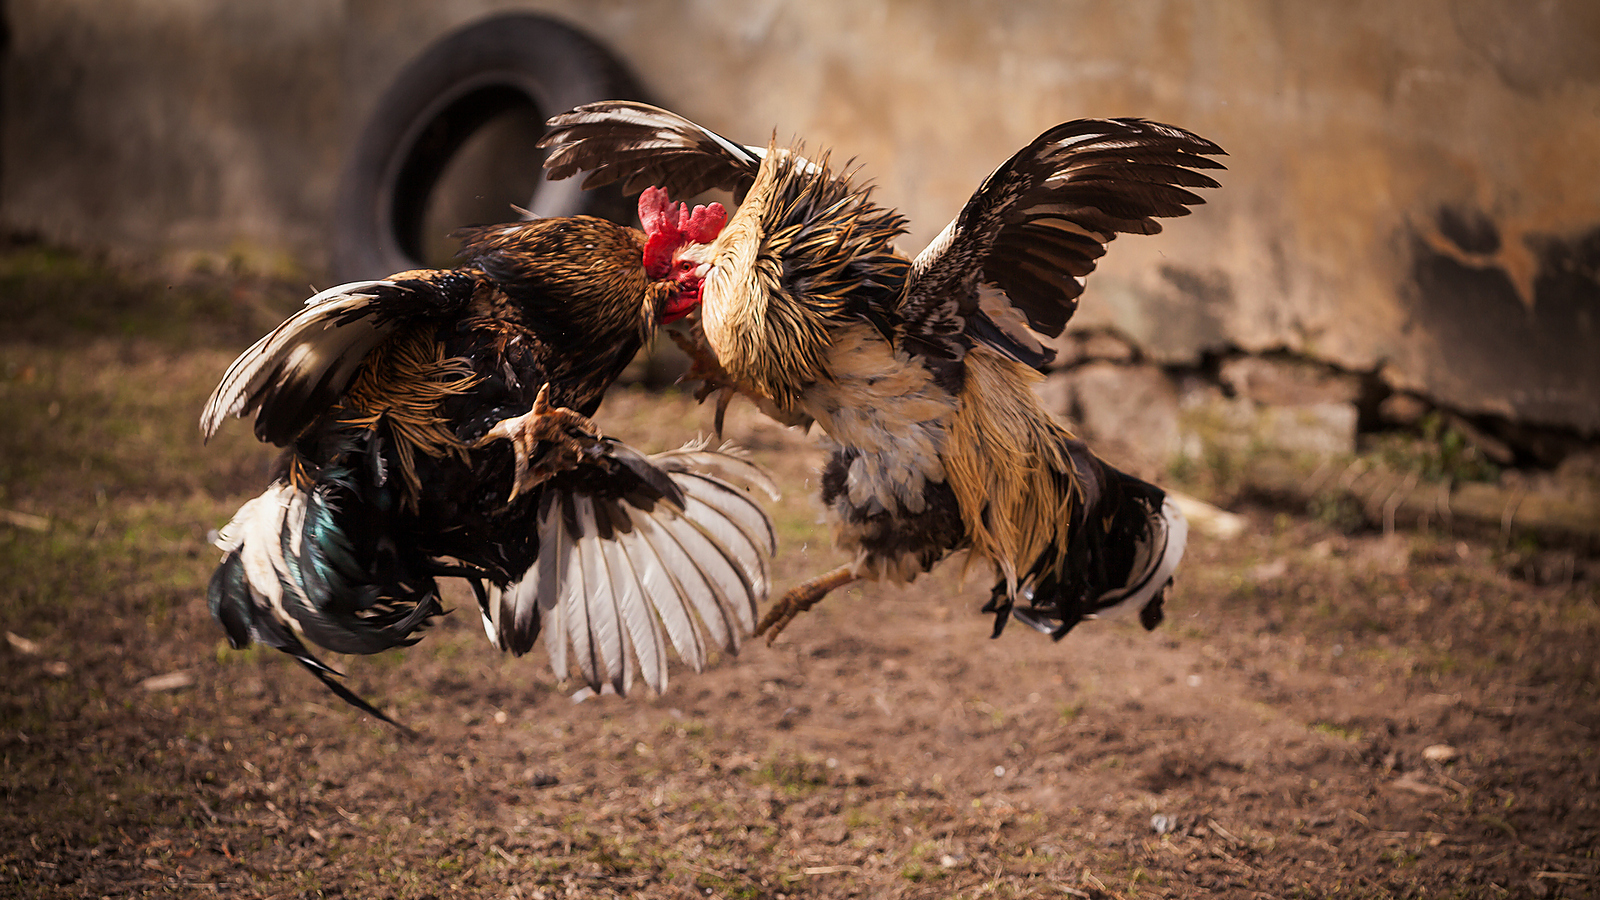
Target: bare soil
<point>1324,713</point>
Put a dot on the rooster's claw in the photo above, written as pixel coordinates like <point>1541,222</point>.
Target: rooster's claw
<point>569,437</point>
<point>800,598</point>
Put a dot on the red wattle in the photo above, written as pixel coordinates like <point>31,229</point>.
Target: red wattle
<point>679,306</point>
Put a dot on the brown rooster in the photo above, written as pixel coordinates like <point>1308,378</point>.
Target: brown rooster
<point>920,370</point>
<point>436,424</point>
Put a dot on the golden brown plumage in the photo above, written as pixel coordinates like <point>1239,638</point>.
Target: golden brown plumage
<point>436,424</point>
<point>920,371</point>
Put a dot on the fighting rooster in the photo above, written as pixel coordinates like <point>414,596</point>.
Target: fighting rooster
<point>921,370</point>
<point>436,424</point>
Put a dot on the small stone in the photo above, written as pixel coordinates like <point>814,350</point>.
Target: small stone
<point>1268,571</point>
<point>172,681</point>
<point>1440,753</point>
<point>1412,783</point>
<point>1209,520</point>
<point>831,833</point>
<point>1161,824</point>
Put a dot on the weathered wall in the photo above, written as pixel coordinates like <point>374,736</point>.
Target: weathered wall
<point>167,128</point>
<point>1412,187</point>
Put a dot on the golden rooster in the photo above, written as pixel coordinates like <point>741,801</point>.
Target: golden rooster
<point>920,371</point>
<point>436,424</point>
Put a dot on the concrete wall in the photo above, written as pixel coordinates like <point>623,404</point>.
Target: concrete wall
<point>1412,190</point>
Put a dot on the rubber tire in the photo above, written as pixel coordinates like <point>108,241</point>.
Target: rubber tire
<point>436,103</point>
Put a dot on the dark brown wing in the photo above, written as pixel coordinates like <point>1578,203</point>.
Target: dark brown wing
<point>1036,226</point>
<point>290,377</point>
<point>642,146</point>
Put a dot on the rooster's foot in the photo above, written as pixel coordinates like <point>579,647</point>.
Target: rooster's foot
<point>703,366</point>
<point>800,598</point>
<point>557,437</point>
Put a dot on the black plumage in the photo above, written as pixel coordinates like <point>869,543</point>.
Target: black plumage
<point>435,424</point>
<point>920,370</point>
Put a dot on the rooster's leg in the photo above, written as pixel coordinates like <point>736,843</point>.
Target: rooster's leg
<point>704,367</point>
<point>800,598</point>
<point>567,437</point>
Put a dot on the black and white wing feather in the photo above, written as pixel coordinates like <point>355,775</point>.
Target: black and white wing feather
<point>620,577</point>
<point>1036,227</point>
<point>291,376</point>
<point>642,146</point>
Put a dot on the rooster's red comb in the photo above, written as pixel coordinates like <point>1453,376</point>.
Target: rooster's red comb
<point>672,225</point>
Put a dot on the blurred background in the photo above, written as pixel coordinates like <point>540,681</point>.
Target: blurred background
<point>1411,204</point>
<point>1377,346</point>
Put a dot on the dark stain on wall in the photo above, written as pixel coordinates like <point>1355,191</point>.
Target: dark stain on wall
<point>1470,230</point>
<point>1202,298</point>
<point>1542,361</point>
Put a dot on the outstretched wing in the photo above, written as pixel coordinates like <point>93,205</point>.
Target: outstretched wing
<point>294,374</point>
<point>1035,227</point>
<point>669,548</point>
<point>642,146</point>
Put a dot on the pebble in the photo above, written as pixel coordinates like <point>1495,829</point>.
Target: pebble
<point>1440,753</point>
<point>172,681</point>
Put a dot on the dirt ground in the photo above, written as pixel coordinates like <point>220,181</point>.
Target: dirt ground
<point>1325,713</point>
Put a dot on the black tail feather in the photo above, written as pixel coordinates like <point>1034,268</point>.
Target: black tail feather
<point>326,675</point>
<point>317,583</point>
<point>1122,541</point>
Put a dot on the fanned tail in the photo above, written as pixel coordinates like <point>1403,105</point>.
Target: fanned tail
<point>671,548</point>
<point>1122,543</point>
<point>290,572</point>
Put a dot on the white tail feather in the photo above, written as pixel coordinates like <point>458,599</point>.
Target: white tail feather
<point>638,613</point>
<point>1155,564</point>
<point>256,531</point>
<point>575,604</point>
<point>664,591</point>
<point>695,574</point>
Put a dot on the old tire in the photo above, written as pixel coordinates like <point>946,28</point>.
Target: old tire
<point>523,66</point>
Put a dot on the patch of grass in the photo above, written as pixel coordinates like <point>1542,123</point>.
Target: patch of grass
<point>54,296</point>
<point>686,728</point>
<point>1338,511</point>
<point>918,872</point>
<point>1439,451</point>
<point>1342,732</point>
<point>799,525</point>
<point>793,774</point>
<point>856,818</point>
<point>723,886</point>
